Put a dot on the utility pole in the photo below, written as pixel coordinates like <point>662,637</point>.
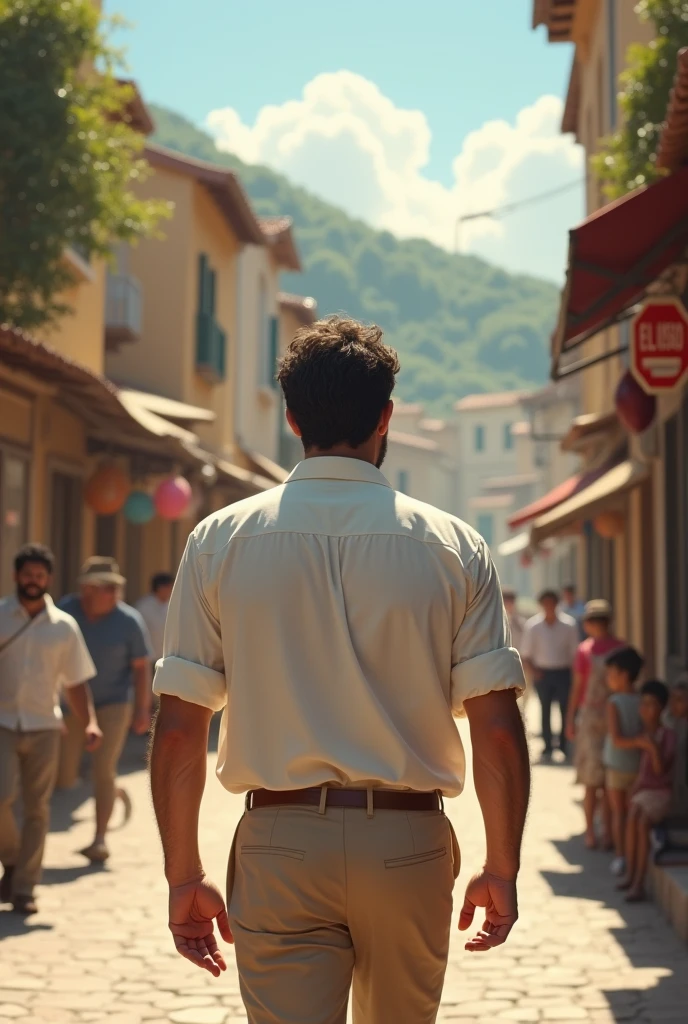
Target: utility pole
<point>462,220</point>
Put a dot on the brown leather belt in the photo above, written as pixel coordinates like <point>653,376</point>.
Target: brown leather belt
<point>382,799</point>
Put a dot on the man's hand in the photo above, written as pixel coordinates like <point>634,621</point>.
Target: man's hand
<point>142,721</point>
<point>498,896</point>
<point>93,736</point>
<point>193,908</point>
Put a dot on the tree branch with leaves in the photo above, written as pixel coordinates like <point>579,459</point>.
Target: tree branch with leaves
<point>69,156</point>
<point>627,158</point>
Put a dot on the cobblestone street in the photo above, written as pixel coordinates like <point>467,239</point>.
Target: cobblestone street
<point>99,949</point>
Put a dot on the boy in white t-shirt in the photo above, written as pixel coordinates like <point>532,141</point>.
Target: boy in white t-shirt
<point>153,608</point>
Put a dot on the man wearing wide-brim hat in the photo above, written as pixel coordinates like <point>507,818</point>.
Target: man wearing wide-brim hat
<point>118,643</point>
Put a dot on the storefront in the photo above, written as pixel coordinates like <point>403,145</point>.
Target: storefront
<point>60,424</point>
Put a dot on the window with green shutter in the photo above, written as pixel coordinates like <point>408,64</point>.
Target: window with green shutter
<point>211,340</point>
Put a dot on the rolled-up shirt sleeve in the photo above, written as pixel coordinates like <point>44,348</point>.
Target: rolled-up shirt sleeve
<point>192,665</point>
<point>483,659</point>
<point>77,665</point>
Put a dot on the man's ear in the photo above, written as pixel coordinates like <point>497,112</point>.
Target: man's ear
<point>293,424</point>
<point>385,417</point>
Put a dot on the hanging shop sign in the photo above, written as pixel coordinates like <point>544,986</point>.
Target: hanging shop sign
<point>659,345</point>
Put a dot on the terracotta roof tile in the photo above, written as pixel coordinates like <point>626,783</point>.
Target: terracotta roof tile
<point>137,113</point>
<point>304,307</point>
<point>569,121</point>
<point>224,187</point>
<point>280,237</point>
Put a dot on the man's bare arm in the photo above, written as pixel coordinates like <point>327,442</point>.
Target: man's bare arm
<point>80,701</point>
<point>501,772</point>
<point>178,772</point>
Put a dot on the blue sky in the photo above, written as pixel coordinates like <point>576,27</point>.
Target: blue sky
<point>437,71</point>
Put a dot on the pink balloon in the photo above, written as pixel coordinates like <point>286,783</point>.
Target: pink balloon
<point>172,497</point>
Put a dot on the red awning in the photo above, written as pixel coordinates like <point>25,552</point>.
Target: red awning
<point>562,492</point>
<point>617,252</point>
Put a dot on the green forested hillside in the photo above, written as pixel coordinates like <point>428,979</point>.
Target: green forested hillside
<point>459,324</point>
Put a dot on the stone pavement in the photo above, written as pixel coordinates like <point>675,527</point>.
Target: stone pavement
<point>99,949</point>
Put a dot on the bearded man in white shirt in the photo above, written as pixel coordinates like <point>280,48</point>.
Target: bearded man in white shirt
<point>339,625</point>
<point>42,651</point>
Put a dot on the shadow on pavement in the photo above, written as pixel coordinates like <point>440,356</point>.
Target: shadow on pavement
<point>12,925</point>
<point>60,876</point>
<point>645,937</point>
<point>67,802</point>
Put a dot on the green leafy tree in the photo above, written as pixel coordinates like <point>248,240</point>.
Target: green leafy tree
<point>628,157</point>
<point>68,156</point>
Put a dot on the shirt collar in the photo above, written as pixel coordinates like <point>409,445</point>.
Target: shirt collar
<point>336,467</point>
<point>18,608</point>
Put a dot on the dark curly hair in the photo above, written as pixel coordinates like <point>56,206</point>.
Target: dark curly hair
<point>38,553</point>
<point>337,377</point>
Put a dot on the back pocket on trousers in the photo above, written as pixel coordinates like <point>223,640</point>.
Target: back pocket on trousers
<point>416,858</point>
<point>274,851</point>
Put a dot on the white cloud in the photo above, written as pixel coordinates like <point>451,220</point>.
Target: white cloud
<point>348,143</point>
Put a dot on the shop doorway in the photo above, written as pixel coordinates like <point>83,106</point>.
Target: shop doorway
<point>66,528</point>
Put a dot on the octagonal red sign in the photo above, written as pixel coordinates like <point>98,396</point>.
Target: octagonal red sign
<point>659,345</point>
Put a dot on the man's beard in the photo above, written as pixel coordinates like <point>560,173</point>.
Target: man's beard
<point>31,591</point>
<point>383,451</point>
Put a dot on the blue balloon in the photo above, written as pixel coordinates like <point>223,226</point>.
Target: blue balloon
<point>139,508</point>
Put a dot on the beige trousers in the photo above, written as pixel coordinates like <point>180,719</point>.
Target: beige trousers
<point>28,764</point>
<point>320,900</point>
<point>114,720</point>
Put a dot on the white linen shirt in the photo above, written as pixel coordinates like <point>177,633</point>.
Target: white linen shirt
<point>550,646</point>
<point>339,624</point>
<point>50,654</point>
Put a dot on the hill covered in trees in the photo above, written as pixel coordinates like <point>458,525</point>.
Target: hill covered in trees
<point>460,325</point>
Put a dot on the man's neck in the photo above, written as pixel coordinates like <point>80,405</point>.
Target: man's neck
<point>551,619</point>
<point>342,451</point>
<point>33,608</point>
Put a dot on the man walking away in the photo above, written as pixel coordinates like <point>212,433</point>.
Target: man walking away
<point>41,650</point>
<point>550,645</point>
<point>153,610</point>
<point>339,625</point>
<point>118,642</point>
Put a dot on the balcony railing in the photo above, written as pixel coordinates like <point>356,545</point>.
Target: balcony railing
<point>123,309</point>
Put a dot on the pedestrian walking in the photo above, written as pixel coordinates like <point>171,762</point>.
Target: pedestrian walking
<point>586,718</point>
<point>41,652</point>
<point>118,642</point>
<point>338,624</point>
<point>550,644</point>
<point>153,609</point>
